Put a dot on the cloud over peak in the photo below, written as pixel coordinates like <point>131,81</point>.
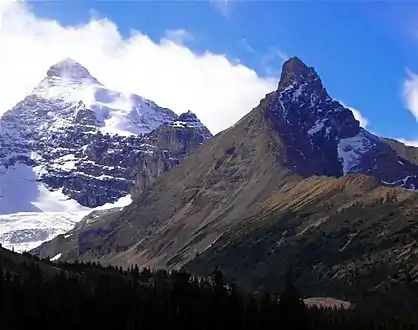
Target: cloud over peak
<point>218,90</point>
<point>357,115</point>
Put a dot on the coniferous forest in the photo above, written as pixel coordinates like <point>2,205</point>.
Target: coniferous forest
<point>90,296</point>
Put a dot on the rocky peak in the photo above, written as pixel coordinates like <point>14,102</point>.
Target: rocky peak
<point>70,69</point>
<point>322,137</point>
<point>295,73</point>
<point>188,116</point>
<point>310,123</point>
<point>189,119</point>
<point>303,102</point>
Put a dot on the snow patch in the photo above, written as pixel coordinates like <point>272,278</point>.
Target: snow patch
<point>298,92</point>
<point>317,127</point>
<point>56,257</point>
<point>351,150</point>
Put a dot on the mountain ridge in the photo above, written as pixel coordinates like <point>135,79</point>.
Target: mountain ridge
<point>295,132</point>
<point>295,183</point>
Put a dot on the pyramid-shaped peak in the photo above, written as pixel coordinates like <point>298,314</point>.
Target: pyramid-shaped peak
<point>189,119</point>
<point>188,116</point>
<point>68,61</point>
<point>295,70</point>
<point>295,64</point>
<point>68,68</point>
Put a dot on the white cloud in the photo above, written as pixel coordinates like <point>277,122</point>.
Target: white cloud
<point>410,93</point>
<point>410,99</point>
<point>357,115</point>
<point>167,72</point>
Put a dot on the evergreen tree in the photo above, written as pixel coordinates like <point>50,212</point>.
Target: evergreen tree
<point>90,296</point>
<point>292,309</point>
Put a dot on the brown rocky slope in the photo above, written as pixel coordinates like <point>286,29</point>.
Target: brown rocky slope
<point>344,237</point>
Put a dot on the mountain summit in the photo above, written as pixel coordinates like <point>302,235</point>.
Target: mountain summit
<point>295,71</point>
<point>83,98</point>
<point>189,119</point>
<point>71,70</point>
<point>322,137</point>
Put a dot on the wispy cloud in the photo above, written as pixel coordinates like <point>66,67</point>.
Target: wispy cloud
<point>178,36</point>
<point>223,6</point>
<point>272,61</point>
<point>247,46</point>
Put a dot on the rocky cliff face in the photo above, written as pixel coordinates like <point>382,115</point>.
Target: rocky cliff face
<point>172,143</point>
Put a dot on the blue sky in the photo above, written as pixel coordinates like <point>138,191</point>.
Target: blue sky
<point>362,50</point>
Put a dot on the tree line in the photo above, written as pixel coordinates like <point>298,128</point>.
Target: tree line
<point>90,296</point>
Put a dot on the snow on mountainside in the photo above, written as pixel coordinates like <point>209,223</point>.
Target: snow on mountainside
<point>24,231</point>
<point>189,119</point>
<point>72,146</point>
<point>78,137</point>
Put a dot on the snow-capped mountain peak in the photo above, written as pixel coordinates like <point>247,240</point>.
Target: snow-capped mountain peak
<point>189,119</point>
<point>67,80</point>
<point>71,70</point>
<point>76,96</point>
<point>73,145</point>
<point>74,135</point>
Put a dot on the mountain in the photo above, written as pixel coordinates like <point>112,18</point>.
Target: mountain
<point>73,145</point>
<point>296,170</point>
<point>321,137</point>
